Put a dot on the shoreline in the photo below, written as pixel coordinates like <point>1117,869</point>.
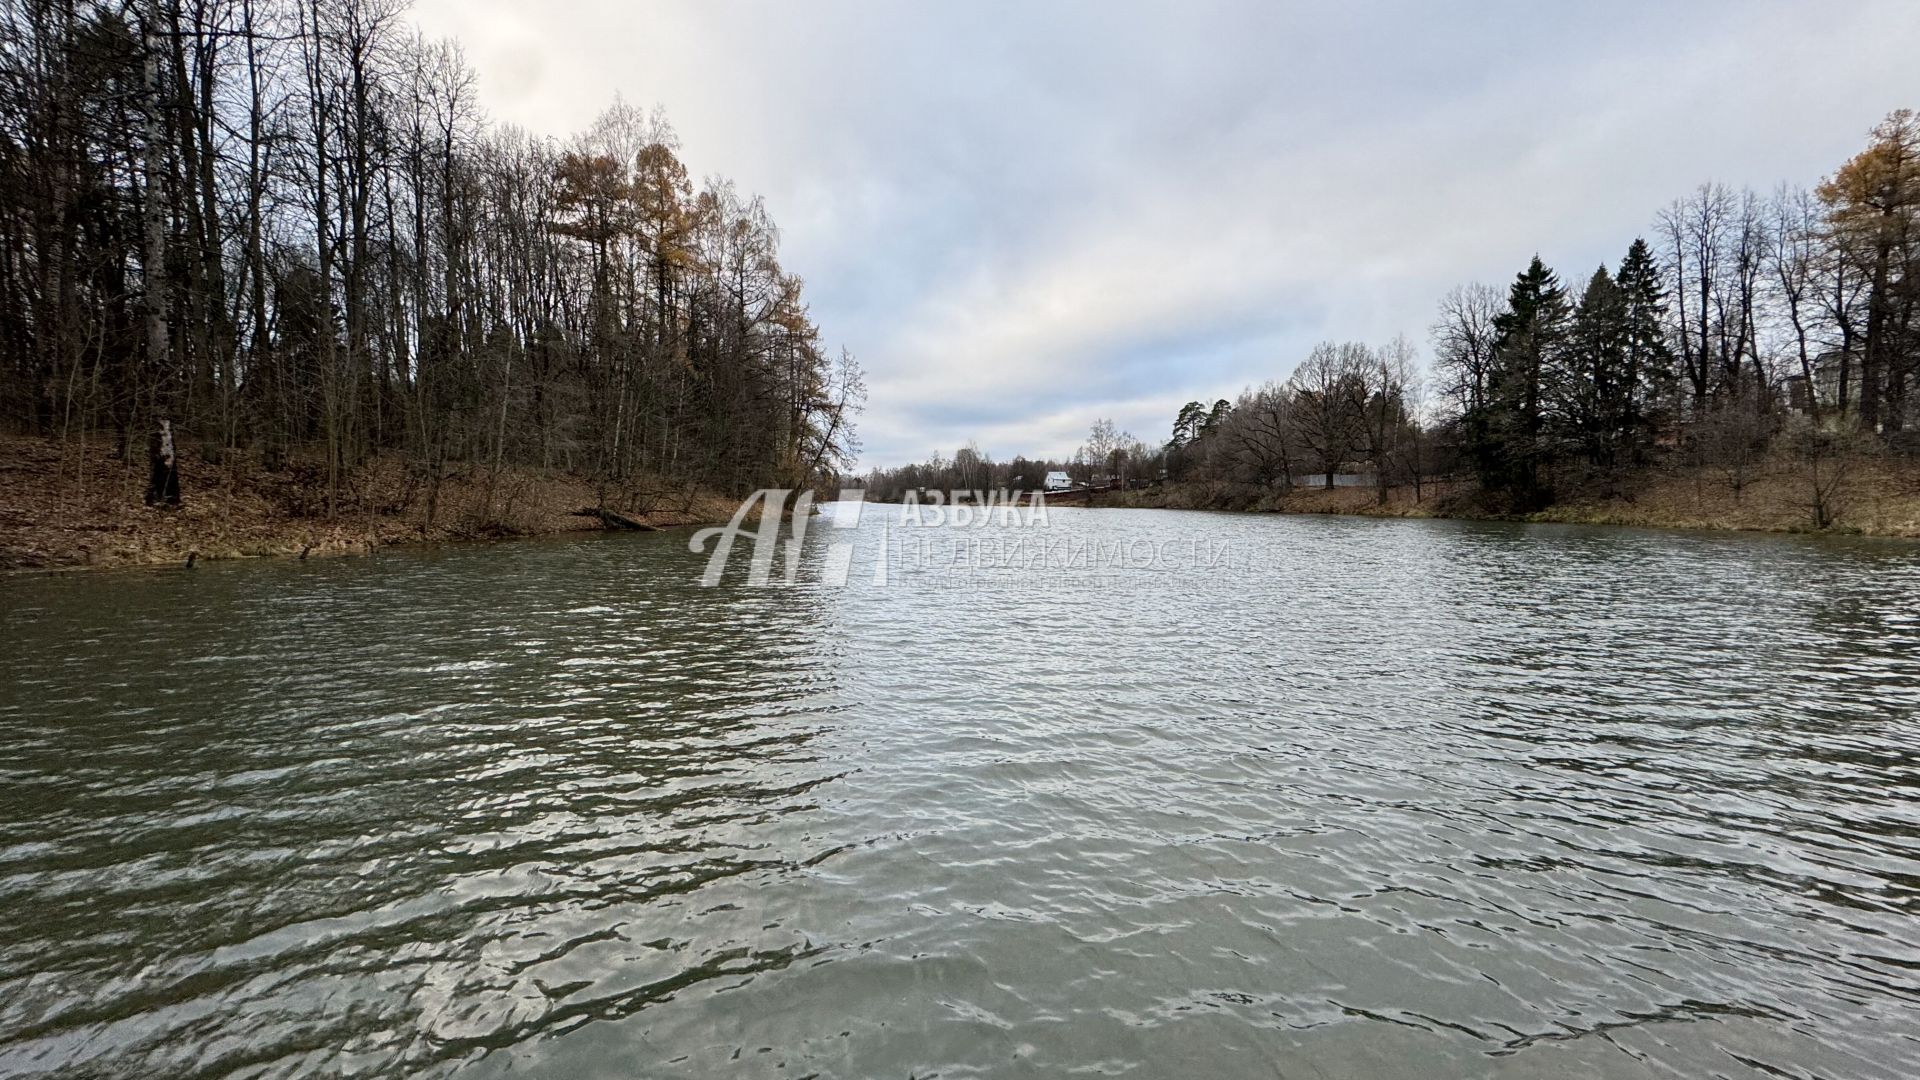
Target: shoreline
<point>334,552</point>
<point>237,509</point>
<point>1883,501</point>
<point>1879,497</point>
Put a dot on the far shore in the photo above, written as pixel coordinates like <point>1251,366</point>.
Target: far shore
<point>1878,500</point>
<point>1879,497</point>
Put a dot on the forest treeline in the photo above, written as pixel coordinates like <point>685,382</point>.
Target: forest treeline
<point>1743,329</point>
<point>286,228</point>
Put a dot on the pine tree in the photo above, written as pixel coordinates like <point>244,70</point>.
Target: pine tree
<point>1186,426</point>
<point>1184,450</point>
<point>1216,416</point>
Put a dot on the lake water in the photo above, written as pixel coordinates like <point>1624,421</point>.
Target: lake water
<point>1137,793</point>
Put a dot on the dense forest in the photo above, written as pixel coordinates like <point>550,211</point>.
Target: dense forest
<point>1747,329</point>
<point>285,230</point>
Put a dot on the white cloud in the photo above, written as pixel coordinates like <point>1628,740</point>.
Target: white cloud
<point>1024,219</point>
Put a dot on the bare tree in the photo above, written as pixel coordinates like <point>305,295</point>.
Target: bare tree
<point>1330,402</point>
<point>1260,436</point>
<point>1732,438</point>
<point>1463,345</point>
<point>1383,413</point>
<point>1102,440</point>
<point>1793,257</point>
<point>1694,230</point>
<point>284,227</point>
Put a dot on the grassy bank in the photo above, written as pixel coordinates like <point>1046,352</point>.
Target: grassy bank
<point>70,505</point>
<point>1876,497</point>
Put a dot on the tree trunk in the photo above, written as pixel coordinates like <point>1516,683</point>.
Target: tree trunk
<point>163,473</point>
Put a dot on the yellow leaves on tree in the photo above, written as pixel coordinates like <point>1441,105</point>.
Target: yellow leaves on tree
<point>1875,197</point>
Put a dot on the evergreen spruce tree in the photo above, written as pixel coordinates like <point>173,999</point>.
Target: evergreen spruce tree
<point>1528,337</point>
<point>1594,388</point>
<point>1650,373</point>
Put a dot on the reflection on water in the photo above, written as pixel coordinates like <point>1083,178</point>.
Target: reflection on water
<point>1372,798</point>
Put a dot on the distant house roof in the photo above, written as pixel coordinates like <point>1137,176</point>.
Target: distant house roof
<point>1056,475</point>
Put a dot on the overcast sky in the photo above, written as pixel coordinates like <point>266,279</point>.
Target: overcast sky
<point>1025,216</point>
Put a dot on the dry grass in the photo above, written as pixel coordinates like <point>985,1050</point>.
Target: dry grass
<point>76,505</point>
<point>1880,497</point>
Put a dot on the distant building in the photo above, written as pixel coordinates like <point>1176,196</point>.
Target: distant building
<point>1058,481</point>
<point>1826,384</point>
<point>1799,394</point>
<point>1345,479</point>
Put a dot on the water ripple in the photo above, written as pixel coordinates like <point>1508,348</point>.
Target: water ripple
<point>1363,798</point>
